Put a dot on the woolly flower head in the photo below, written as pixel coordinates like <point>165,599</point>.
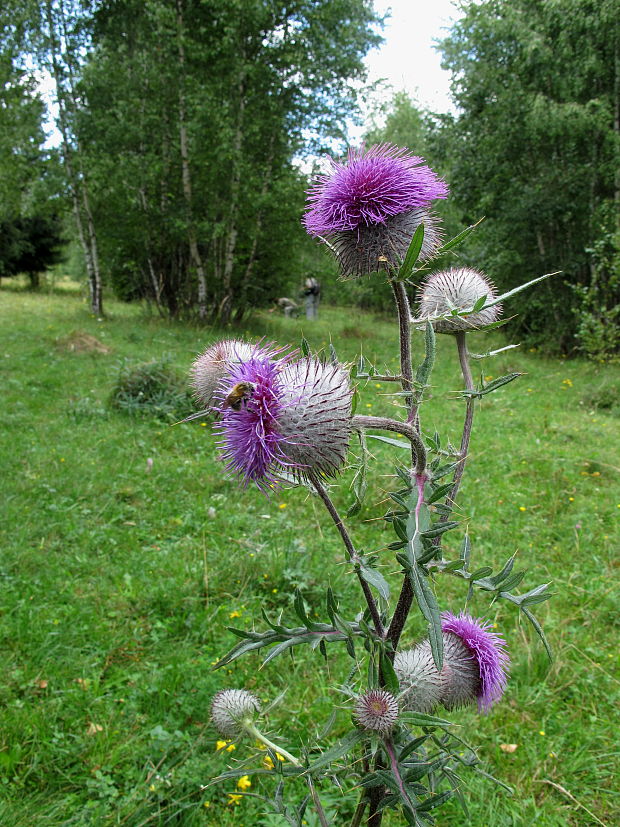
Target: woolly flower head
<point>296,419</point>
<point>475,662</point>
<point>456,289</point>
<point>232,709</point>
<point>376,711</point>
<point>316,416</point>
<point>420,682</point>
<point>370,187</point>
<point>384,245</point>
<point>211,367</point>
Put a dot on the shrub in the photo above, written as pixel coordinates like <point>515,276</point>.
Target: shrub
<point>151,389</point>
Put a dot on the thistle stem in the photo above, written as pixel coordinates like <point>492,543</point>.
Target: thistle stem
<point>404,334</point>
<point>467,424</point>
<point>251,729</point>
<point>359,811</point>
<point>385,424</point>
<point>353,555</point>
<point>405,598</point>
<point>389,748</point>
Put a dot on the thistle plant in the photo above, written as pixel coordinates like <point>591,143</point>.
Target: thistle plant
<point>286,417</point>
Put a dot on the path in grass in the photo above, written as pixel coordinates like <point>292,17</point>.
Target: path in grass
<point>125,553</point>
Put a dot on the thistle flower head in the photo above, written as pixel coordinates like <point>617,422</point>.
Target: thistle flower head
<point>384,245</point>
<point>457,289</point>
<point>475,662</point>
<point>420,682</point>
<point>376,711</point>
<point>210,368</point>
<point>370,187</point>
<point>315,420</point>
<point>232,710</point>
<point>297,419</point>
<point>251,442</point>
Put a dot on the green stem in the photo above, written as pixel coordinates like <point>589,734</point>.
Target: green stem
<point>251,729</point>
<point>467,424</point>
<point>359,811</point>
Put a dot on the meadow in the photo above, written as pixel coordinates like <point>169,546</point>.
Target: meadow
<point>125,553</point>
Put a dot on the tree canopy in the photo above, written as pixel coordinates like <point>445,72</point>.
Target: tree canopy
<point>535,149</point>
<point>180,122</point>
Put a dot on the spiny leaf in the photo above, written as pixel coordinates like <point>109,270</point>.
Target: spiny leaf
<point>412,254</point>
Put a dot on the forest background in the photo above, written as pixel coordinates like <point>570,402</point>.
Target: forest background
<point>186,131</point>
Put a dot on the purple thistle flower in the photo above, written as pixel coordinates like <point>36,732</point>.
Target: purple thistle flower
<point>251,439</point>
<point>297,419</point>
<point>475,662</point>
<point>216,361</point>
<point>372,186</point>
<point>376,711</point>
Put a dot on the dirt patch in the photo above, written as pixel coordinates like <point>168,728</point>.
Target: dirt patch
<point>80,342</point>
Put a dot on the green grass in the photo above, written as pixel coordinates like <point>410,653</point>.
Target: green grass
<point>118,581</point>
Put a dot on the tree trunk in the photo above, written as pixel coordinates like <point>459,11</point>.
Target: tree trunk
<point>235,186</point>
<point>192,235</point>
<point>258,226</point>
<point>77,180</point>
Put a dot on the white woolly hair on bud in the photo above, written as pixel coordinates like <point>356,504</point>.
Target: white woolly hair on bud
<point>460,673</point>
<point>456,289</point>
<point>213,364</point>
<point>231,708</point>
<point>420,682</point>
<point>376,711</point>
<point>315,420</point>
<point>373,247</point>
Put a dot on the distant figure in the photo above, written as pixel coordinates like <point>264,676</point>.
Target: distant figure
<point>288,306</point>
<point>312,295</point>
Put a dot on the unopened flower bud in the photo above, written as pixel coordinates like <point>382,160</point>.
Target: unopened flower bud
<point>232,710</point>
<point>456,289</point>
<point>376,711</point>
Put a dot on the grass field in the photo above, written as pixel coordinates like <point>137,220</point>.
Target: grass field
<point>126,552</point>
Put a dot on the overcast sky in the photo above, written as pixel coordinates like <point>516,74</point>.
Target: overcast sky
<point>407,59</point>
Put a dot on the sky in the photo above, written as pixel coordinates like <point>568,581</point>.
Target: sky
<point>407,59</point>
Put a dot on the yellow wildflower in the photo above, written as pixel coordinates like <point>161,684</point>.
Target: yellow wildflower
<point>268,761</point>
<point>234,614</point>
<point>244,782</point>
<point>234,799</point>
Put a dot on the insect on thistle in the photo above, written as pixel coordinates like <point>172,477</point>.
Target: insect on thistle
<point>239,395</point>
